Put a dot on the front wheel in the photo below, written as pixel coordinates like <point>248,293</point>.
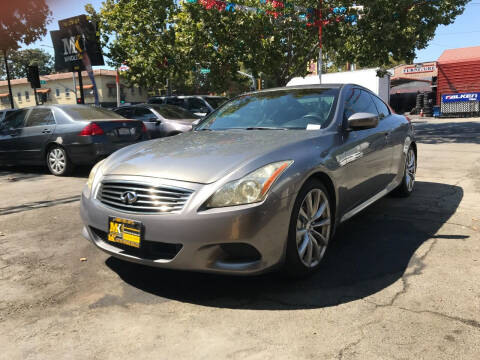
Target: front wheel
<point>408,182</point>
<point>310,230</point>
<point>58,162</point>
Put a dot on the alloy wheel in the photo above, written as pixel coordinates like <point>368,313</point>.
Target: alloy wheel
<point>313,227</point>
<point>410,169</point>
<point>57,160</point>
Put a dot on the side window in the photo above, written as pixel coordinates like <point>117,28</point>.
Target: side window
<point>175,101</point>
<point>195,104</point>
<point>39,117</point>
<point>383,110</point>
<point>143,114</point>
<point>358,101</point>
<point>14,120</point>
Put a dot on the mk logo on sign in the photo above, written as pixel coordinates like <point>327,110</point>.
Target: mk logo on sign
<point>73,47</point>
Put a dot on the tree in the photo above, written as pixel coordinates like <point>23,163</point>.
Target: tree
<point>274,41</point>
<point>22,21</point>
<point>21,59</point>
<point>137,33</point>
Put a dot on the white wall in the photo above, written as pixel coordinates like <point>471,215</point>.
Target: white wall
<point>366,78</point>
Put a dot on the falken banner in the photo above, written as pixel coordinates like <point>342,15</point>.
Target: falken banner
<point>449,98</point>
<point>76,38</point>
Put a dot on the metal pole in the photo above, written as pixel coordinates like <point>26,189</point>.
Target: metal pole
<point>80,85</point>
<point>74,86</point>
<point>8,78</point>
<point>35,95</point>
<point>320,26</point>
<point>117,84</point>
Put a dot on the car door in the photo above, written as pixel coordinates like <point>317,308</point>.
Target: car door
<point>364,157</point>
<point>397,132</point>
<point>38,130</point>
<point>10,129</point>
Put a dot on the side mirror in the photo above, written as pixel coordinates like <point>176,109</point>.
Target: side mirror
<point>362,121</point>
<point>205,110</point>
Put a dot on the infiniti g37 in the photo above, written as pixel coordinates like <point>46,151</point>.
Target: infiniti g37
<point>261,183</point>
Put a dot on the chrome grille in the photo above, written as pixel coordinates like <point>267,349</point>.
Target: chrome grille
<point>148,198</point>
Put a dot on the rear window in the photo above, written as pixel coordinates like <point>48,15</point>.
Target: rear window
<point>80,112</point>
<point>174,112</point>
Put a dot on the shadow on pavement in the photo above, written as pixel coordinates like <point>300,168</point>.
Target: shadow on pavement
<point>19,173</point>
<point>369,253</point>
<point>448,132</point>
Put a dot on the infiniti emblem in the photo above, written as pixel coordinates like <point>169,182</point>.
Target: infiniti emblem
<point>129,197</point>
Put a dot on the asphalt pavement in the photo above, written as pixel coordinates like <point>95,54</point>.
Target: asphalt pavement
<point>400,281</point>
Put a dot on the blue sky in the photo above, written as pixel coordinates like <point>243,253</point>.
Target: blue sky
<point>464,32</point>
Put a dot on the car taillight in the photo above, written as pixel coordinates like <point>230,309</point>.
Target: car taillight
<point>408,119</point>
<point>144,128</point>
<point>91,130</point>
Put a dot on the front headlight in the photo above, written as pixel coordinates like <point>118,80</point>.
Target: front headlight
<point>93,173</point>
<point>249,189</point>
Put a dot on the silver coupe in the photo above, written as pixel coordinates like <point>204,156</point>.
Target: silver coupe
<point>261,183</point>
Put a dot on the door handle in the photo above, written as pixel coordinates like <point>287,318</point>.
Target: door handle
<point>46,131</point>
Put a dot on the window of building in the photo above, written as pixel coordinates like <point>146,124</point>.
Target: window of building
<point>5,100</point>
<point>57,92</point>
<point>112,92</point>
<point>27,95</point>
<point>19,96</point>
<point>67,92</point>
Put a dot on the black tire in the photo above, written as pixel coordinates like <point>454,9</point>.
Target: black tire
<point>404,189</point>
<point>58,162</point>
<point>295,264</point>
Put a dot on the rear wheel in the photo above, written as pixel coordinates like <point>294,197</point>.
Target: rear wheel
<point>310,230</point>
<point>58,162</point>
<point>408,181</point>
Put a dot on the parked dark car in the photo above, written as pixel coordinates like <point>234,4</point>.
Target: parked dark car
<point>262,182</point>
<point>62,136</point>
<point>200,105</point>
<point>160,120</point>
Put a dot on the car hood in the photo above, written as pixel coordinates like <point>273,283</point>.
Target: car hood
<point>200,156</point>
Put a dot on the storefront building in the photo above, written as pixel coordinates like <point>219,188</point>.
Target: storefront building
<point>408,81</point>
<point>459,82</point>
<point>60,89</point>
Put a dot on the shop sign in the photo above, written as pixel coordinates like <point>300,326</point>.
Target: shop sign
<point>461,97</point>
<point>419,69</point>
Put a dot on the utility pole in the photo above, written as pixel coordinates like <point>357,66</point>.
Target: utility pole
<point>117,85</point>
<point>8,78</point>
<point>80,85</point>
<point>320,28</point>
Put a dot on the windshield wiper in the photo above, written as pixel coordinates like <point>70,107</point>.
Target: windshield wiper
<point>265,128</point>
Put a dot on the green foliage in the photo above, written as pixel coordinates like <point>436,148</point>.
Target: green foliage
<point>143,33</point>
<point>21,59</point>
<point>22,21</point>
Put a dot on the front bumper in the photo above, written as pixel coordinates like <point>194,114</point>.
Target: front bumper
<point>200,240</point>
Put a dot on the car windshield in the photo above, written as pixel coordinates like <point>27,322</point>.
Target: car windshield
<point>215,102</point>
<point>278,109</point>
<point>174,112</point>
<point>81,112</point>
